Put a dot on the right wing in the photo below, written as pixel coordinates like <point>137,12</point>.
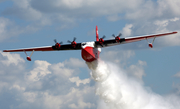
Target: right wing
<point>113,42</point>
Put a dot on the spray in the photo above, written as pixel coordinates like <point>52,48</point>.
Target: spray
<point>118,91</point>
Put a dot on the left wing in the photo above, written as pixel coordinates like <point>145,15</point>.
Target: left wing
<point>57,46</point>
<point>117,41</point>
<point>47,48</point>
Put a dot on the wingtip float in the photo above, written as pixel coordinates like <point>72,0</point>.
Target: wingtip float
<point>90,50</point>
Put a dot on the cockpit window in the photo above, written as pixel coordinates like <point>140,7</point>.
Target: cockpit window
<point>83,44</point>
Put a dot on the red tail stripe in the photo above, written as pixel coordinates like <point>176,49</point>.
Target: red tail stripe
<point>97,35</point>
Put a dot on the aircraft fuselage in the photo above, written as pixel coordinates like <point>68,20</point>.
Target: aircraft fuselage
<point>89,52</point>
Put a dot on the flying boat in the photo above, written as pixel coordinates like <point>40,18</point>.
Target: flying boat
<point>90,51</point>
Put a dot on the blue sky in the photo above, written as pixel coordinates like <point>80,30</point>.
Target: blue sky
<point>54,75</point>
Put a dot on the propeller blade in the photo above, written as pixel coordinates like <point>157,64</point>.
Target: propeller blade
<point>69,41</point>
<point>61,42</point>
<point>119,34</point>
<point>103,37</point>
<point>55,40</point>
<point>74,39</point>
<point>113,35</point>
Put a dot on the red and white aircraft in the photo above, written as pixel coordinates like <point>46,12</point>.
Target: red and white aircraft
<point>90,50</point>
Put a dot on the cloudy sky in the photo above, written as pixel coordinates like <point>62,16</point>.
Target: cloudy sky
<point>61,79</point>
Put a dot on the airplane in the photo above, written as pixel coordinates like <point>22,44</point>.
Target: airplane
<point>90,51</point>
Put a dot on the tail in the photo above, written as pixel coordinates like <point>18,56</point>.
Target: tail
<point>97,36</point>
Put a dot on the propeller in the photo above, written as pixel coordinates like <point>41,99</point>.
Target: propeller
<point>117,38</point>
<point>117,35</point>
<point>73,43</point>
<point>113,35</point>
<point>103,37</point>
<point>101,40</point>
<point>57,42</point>
<point>57,45</point>
<point>74,39</point>
<point>69,41</point>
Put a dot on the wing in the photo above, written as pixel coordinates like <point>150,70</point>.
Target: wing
<point>113,42</point>
<point>47,48</point>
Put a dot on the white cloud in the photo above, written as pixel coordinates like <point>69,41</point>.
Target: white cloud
<point>137,70</point>
<point>142,14</point>
<point>117,56</point>
<point>175,19</point>
<point>153,27</point>
<point>127,30</point>
<point>3,24</point>
<point>76,93</point>
<point>3,85</point>
<point>163,23</point>
<point>176,86</point>
<point>30,96</point>
<point>61,71</point>
<point>8,29</point>
<point>177,74</point>
<point>70,10</point>
<point>78,81</point>
<point>17,87</point>
<point>51,85</point>
<point>44,86</point>
<point>146,10</point>
<point>40,70</point>
<point>74,62</point>
<point>113,17</point>
<point>170,6</point>
<point>11,59</point>
<point>22,9</point>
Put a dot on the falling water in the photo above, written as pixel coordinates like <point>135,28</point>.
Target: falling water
<point>119,91</point>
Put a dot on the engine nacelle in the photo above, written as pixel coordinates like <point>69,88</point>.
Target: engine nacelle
<point>101,40</point>
<point>73,44</point>
<point>117,39</point>
<point>28,58</point>
<point>150,45</point>
<point>57,45</point>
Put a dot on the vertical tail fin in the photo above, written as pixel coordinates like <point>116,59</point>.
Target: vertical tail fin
<point>97,35</point>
